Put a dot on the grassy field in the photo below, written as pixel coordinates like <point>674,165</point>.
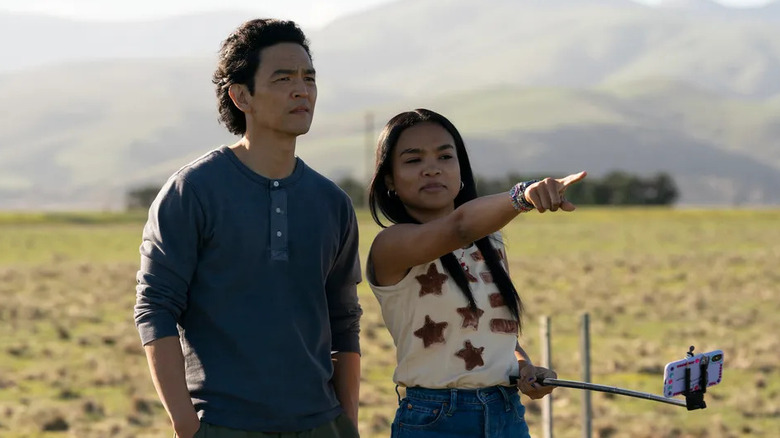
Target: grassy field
<point>653,281</point>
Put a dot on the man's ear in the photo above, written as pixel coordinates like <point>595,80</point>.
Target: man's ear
<point>389,182</point>
<point>239,94</point>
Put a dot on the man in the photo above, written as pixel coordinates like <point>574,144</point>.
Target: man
<point>249,264</point>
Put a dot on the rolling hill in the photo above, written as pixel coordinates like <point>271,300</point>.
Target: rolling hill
<point>552,86</point>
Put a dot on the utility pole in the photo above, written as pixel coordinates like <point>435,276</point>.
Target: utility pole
<point>369,158</point>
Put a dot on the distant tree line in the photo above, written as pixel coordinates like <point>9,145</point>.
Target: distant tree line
<point>140,198</point>
<point>615,188</point>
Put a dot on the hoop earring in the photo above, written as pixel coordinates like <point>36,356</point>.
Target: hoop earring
<point>461,185</point>
<point>391,193</point>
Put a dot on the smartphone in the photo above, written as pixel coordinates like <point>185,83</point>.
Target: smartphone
<point>674,372</point>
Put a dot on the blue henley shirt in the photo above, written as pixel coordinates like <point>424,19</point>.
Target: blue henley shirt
<point>258,279</point>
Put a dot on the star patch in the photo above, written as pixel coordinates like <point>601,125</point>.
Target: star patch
<point>470,317</point>
<point>431,282</point>
<point>471,355</point>
<point>503,326</point>
<point>496,300</point>
<point>431,332</point>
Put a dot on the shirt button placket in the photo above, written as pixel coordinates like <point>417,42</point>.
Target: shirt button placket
<point>278,220</point>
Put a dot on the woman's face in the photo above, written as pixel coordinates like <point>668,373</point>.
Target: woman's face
<point>426,172</point>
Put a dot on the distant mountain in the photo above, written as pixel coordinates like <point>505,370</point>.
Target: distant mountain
<point>693,5</point>
<point>547,85</point>
<point>33,40</point>
<point>413,45</point>
<point>569,43</point>
<point>107,128</point>
<point>721,151</point>
<point>100,125</point>
<point>770,11</point>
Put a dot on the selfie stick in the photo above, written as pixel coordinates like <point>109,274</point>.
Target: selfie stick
<point>610,389</point>
<point>694,399</point>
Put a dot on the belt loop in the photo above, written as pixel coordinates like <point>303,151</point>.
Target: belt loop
<point>453,401</point>
<point>398,394</point>
<point>505,395</point>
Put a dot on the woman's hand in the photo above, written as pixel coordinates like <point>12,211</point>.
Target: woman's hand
<point>528,383</point>
<point>548,194</point>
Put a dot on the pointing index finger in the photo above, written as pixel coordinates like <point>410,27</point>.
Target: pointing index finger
<point>573,178</point>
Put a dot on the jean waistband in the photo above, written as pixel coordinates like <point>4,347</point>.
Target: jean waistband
<point>462,396</point>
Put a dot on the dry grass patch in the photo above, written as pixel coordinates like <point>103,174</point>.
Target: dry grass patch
<point>653,281</point>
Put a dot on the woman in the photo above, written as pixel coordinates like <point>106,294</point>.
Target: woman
<point>440,275</point>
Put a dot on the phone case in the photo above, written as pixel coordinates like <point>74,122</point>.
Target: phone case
<point>674,372</point>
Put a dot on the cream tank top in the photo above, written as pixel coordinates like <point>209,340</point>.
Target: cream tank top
<point>440,342</point>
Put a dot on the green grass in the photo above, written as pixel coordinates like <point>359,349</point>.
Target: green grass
<point>45,239</point>
<point>654,281</point>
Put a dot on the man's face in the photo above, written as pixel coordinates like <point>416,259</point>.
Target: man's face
<point>285,91</point>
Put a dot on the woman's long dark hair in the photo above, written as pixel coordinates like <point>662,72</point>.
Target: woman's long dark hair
<point>392,208</point>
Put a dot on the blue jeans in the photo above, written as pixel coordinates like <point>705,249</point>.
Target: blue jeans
<point>478,413</point>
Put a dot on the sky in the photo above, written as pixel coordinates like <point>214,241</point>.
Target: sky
<point>313,13</point>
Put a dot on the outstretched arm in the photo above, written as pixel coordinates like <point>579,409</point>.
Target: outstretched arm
<point>401,246</point>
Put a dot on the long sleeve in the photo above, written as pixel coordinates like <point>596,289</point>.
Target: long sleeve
<point>169,254</point>
<point>341,288</point>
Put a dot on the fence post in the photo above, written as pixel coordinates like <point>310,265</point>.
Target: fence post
<point>587,420</point>
<point>547,418</point>
<point>370,147</point>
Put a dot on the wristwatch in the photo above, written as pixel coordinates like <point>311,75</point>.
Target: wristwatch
<point>517,194</point>
<point>521,194</point>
